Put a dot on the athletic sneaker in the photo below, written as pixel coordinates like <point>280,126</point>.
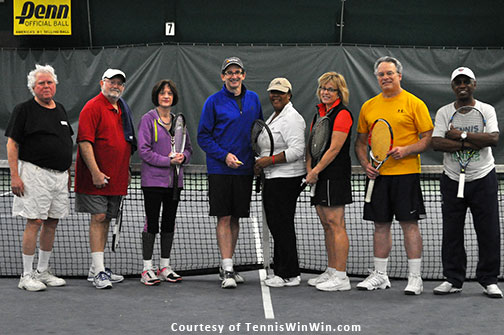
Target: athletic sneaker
<point>149,278</point>
<point>113,277</point>
<point>493,291</point>
<point>30,283</point>
<point>334,284</point>
<point>376,280</point>
<point>238,278</point>
<point>48,278</point>
<point>415,285</point>
<point>102,281</point>
<point>324,276</point>
<point>277,281</point>
<point>446,288</point>
<point>167,274</point>
<point>228,279</point>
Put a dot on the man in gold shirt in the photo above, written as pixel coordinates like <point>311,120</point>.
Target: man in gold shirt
<point>397,191</point>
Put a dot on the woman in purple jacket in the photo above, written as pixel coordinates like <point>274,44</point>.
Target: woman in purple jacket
<point>159,164</point>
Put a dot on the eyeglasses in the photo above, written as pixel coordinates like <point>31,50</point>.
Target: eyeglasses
<point>328,89</point>
<point>114,82</point>
<point>383,74</point>
<point>231,73</point>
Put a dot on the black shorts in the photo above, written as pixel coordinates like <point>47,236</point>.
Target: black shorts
<point>399,196</point>
<point>334,192</point>
<point>230,195</point>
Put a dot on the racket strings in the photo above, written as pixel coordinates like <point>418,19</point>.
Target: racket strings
<point>257,129</point>
<point>320,136</point>
<point>471,121</point>
<point>380,141</point>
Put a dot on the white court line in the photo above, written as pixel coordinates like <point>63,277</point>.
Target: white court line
<point>266,297</point>
<point>267,305</point>
<point>6,193</point>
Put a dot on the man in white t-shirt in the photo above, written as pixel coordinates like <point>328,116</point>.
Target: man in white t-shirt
<point>480,192</point>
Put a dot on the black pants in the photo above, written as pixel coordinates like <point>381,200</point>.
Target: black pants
<point>153,198</point>
<point>280,198</point>
<point>481,197</point>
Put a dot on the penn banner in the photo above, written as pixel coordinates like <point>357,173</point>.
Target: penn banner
<point>42,17</point>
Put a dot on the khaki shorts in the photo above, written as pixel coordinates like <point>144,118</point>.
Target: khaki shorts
<point>45,193</point>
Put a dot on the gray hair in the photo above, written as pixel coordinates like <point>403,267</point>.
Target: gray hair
<point>388,59</point>
<point>32,76</point>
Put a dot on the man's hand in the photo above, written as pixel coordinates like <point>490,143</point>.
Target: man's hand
<point>398,152</point>
<point>453,134</point>
<point>100,180</point>
<point>371,172</point>
<point>232,161</point>
<point>17,186</point>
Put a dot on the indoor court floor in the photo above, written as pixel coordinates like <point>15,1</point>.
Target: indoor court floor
<point>198,305</point>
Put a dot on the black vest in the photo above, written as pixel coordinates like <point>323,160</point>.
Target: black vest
<point>341,166</point>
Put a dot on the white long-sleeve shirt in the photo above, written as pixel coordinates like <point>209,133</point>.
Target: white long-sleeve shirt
<point>288,130</point>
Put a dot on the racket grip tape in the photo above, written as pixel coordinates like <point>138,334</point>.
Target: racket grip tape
<point>369,192</point>
<point>461,184</point>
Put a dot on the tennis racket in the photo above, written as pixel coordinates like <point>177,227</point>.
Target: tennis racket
<point>117,226</point>
<point>468,119</point>
<point>261,137</point>
<point>380,140</point>
<point>320,137</point>
<point>178,145</point>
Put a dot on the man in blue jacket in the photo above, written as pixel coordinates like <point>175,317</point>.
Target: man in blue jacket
<point>224,135</point>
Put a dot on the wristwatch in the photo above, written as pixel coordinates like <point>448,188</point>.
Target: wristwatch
<point>463,136</point>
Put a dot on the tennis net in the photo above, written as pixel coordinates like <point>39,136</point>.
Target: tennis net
<point>195,249</point>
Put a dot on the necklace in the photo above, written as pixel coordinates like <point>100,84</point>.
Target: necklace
<point>161,119</point>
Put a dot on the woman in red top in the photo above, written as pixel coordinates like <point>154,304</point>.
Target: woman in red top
<point>332,178</point>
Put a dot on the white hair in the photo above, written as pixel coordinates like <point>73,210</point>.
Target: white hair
<point>388,59</point>
<point>32,76</point>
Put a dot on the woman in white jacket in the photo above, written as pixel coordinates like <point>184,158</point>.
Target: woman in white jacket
<point>284,172</point>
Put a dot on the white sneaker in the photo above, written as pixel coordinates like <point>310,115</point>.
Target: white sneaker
<point>102,281</point>
<point>493,291</point>
<point>277,281</point>
<point>237,277</point>
<point>167,274</point>
<point>30,283</point>
<point>415,285</point>
<point>319,279</point>
<point>149,277</point>
<point>335,284</point>
<point>114,278</point>
<point>376,280</point>
<point>446,288</point>
<point>48,278</point>
<point>228,279</point>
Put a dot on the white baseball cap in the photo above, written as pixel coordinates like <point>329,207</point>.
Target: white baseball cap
<point>110,73</point>
<point>463,71</point>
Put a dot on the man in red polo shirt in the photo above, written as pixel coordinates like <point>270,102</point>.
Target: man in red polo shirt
<point>106,142</point>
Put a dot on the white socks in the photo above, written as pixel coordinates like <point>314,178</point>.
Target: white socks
<point>43,260</point>
<point>97,262</point>
<point>414,266</point>
<point>147,265</point>
<point>164,262</point>
<point>227,264</point>
<point>381,264</point>
<point>28,264</point>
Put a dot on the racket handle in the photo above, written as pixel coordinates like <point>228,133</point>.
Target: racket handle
<point>312,190</point>
<point>369,192</point>
<point>461,184</point>
<point>258,184</point>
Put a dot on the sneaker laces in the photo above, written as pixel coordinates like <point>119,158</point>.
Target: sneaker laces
<point>375,278</point>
